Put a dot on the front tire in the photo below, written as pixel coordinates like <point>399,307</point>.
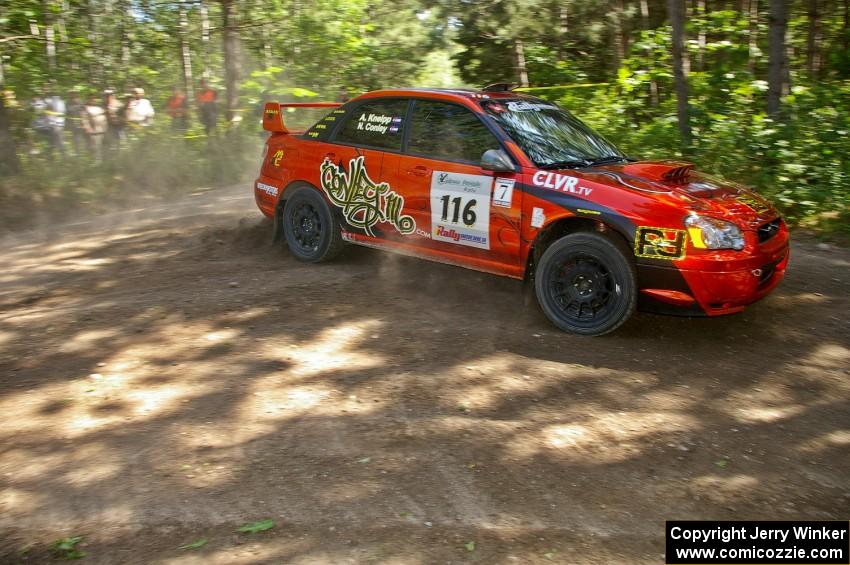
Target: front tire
<point>586,284</point>
<point>311,231</point>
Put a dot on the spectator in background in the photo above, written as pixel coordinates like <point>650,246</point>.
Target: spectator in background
<point>94,124</point>
<point>9,162</point>
<point>49,120</point>
<point>114,119</point>
<point>75,111</point>
<point>39,124</point>
<point>56,118</point>
<point>139,111</point>
<point>177,108</point>
<point>207,107</point>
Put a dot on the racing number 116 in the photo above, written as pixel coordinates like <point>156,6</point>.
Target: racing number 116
<point>468,210</point>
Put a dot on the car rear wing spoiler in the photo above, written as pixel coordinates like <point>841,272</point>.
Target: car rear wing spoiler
<point>273,113</point>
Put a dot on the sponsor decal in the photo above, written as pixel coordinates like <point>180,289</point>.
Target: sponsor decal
<point>347,236</point>
<point>272,112</point>
<point>267,188</point>
<point>460,208</point>
<point>339,111</point>
<point>503,192</point>
<point>529,107</point>
<point>561,183</point>
<point>378,123</point>
<point>586,211</point>
<point>441,233</point>
<point>364,203</point>
<point>660,243</point>
<point>423,233</point>
<point>754,204</point>
<point>320,126</point>
<point>538,218</point>
<point>313,134</point>
<point>278,155</point>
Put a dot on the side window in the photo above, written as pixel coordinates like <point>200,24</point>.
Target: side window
<point>323,127</point>
<point>374,124</point>
<point>448,131</point>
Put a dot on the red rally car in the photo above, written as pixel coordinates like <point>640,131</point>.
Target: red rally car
<point>513,185</point>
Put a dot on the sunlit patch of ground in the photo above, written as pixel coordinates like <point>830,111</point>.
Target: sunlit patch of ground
<point>172,381</point>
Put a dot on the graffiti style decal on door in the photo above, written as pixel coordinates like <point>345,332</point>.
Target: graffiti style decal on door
<point>364,203</point>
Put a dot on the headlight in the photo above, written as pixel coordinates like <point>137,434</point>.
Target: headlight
<point>711,233</point>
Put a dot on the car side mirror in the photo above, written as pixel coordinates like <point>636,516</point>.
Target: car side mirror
<point>497,161</point>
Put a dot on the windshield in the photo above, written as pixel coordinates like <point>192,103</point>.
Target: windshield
<point>550,136</point>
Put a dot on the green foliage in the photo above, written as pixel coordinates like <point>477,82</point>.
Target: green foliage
<point>800,162</point>
<point>66,548</point>
<point>197,544</point>
<point>330,49</point>
<point>255,527</point>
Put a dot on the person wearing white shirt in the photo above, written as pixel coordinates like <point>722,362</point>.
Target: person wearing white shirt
<point>140,111</point>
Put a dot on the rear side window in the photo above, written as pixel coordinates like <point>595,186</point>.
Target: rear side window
<point>374,124</point>
<point>448,131</point>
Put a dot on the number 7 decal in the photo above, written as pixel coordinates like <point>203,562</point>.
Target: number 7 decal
<point>503,192</point>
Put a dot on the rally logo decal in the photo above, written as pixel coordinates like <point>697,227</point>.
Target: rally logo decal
<point>660,243</point>
<point>364,203</point>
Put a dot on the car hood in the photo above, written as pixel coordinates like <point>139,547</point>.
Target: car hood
<point>696,191</point>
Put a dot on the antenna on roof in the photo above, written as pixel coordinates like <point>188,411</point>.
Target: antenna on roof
<point>499,87</point>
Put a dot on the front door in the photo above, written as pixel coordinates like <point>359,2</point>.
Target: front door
<point>461,211</point>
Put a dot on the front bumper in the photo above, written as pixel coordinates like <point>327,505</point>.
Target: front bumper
<point>716,283</point>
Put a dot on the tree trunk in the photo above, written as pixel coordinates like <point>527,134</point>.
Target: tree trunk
<point>231,58</point>
<point>95,63</point>
<point>50,38</point>
<point>676,9</point>
<point>185,53</point>
<point>846,28</point>
<point>701,8</point>
<point>563,30</point>
<point>522,72</point>
<point>265,42</point>
<point>754,36</point>
<point>644,13</point>
<point>778,26</point>
<point>124,8</point>
<point>618,35</point>
<point>107,56</point>
<point>813,57</point>
<point>205,39</point>
<point>64,9</point>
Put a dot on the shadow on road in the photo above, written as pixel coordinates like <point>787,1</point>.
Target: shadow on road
<point>172,380</point>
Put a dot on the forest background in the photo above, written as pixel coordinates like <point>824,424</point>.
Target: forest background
<point>753,90</point>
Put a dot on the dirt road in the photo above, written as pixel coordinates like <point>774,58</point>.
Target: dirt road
<point>166,376</point>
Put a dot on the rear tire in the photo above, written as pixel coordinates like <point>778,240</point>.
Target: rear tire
<point>586,284</point>
<point>311,231</point>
